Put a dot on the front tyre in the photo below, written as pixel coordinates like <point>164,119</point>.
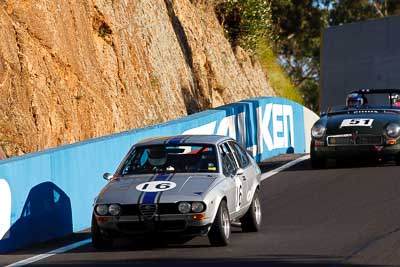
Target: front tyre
<point>221,228</point>
<point>397,159</point>
<point>98,241</point>
<point>316,162</point>
<point>251,221</point>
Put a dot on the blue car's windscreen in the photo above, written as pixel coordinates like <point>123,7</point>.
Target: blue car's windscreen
<point>376,101</point>
<point>167,158</point>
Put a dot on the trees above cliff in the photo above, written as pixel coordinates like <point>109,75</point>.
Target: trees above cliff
<point>293,28</point>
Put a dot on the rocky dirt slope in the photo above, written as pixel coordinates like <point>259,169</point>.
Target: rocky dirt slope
<point>77,69</point>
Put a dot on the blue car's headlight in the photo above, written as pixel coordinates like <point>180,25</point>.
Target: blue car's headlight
<point>393,130</point>
<point>318,130</point>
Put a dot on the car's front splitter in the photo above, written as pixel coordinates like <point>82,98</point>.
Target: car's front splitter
<point>357,151</point>
<point>138,225</point>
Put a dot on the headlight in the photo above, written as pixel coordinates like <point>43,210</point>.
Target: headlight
<point>101,210</point>
<point>184,207</point>
<point>318,130</point>
<point>393,130</point>
<point>197,207</point>
<point>114,209</point>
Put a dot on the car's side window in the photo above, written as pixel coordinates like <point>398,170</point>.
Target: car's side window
<point>240,155</point>
<point>228,162</point>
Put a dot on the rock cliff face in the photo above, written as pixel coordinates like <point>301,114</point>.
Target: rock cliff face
<point>72,70</point>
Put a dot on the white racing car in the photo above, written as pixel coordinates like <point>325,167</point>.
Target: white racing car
<point>180,186</point>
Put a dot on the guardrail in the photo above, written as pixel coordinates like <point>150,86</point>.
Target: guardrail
<point>49,194</point>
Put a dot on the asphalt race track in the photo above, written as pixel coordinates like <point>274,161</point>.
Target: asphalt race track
<point>332,217</point>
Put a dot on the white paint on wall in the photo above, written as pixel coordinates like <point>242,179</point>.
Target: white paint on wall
<point>204,129</point>
<point>288,126</point>
<point>227,127</point>
<point>242,128</point>
<point>282,134</point>
<point>5,207</point>
<point>309,119</point>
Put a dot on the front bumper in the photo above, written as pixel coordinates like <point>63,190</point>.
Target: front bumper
<point>357,151</point>
<point>177,224</point>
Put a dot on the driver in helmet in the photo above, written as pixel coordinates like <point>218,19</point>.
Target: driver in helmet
<point>355,100</point>
<point>395,99</point>
<point>157,158</point>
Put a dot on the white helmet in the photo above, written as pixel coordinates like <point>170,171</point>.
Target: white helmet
<point>157,156</point>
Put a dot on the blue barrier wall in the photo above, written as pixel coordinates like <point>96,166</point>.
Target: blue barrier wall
<point>52,191</point>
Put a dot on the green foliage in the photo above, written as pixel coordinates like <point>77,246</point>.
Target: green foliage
<point>347,11</point>
<point>310,93</point>
<point>299,25</point>
<point>294,29</point>
<point>245,22</point>
<point>248,23</point>
<point>277,76</point>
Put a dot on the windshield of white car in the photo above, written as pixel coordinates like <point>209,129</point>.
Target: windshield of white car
<point>166,158</point>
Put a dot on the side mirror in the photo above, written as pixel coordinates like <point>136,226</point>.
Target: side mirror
<point>107,176</point>
<point>239,171</point>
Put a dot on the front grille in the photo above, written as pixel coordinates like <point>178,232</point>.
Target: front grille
<point>131,209</point>
<point>148,210</point>
<point>132,226</point>
<point>168,208</point>
<point>162,208</point>
<point>349,139</point>
<point>370,140</point>
<point>171,225</point>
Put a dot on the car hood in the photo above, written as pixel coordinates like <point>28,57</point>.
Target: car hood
<point>187,187</point>
<point>380,120</point>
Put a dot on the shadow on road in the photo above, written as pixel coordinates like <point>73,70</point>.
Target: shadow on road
<point>288,260</point>
<point>331,165</point>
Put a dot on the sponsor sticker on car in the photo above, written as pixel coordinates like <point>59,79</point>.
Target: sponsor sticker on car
<point>357,123</point>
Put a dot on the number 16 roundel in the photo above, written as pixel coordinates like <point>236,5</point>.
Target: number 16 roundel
<point>156,186</point>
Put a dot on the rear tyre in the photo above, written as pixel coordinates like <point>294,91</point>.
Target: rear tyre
<point>221,228</point>
<point>251,221</point>
<point>98,241</point>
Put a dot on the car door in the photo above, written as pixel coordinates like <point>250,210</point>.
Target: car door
<point>229,168</point>
<point>245,179</point>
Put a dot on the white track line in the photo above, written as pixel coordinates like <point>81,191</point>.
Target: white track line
<point>51,253</point>
<point>283,167</point>
<point>36,258</point>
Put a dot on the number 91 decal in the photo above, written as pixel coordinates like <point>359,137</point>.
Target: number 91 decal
<point>156,186</point>
<point>356,123</point>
